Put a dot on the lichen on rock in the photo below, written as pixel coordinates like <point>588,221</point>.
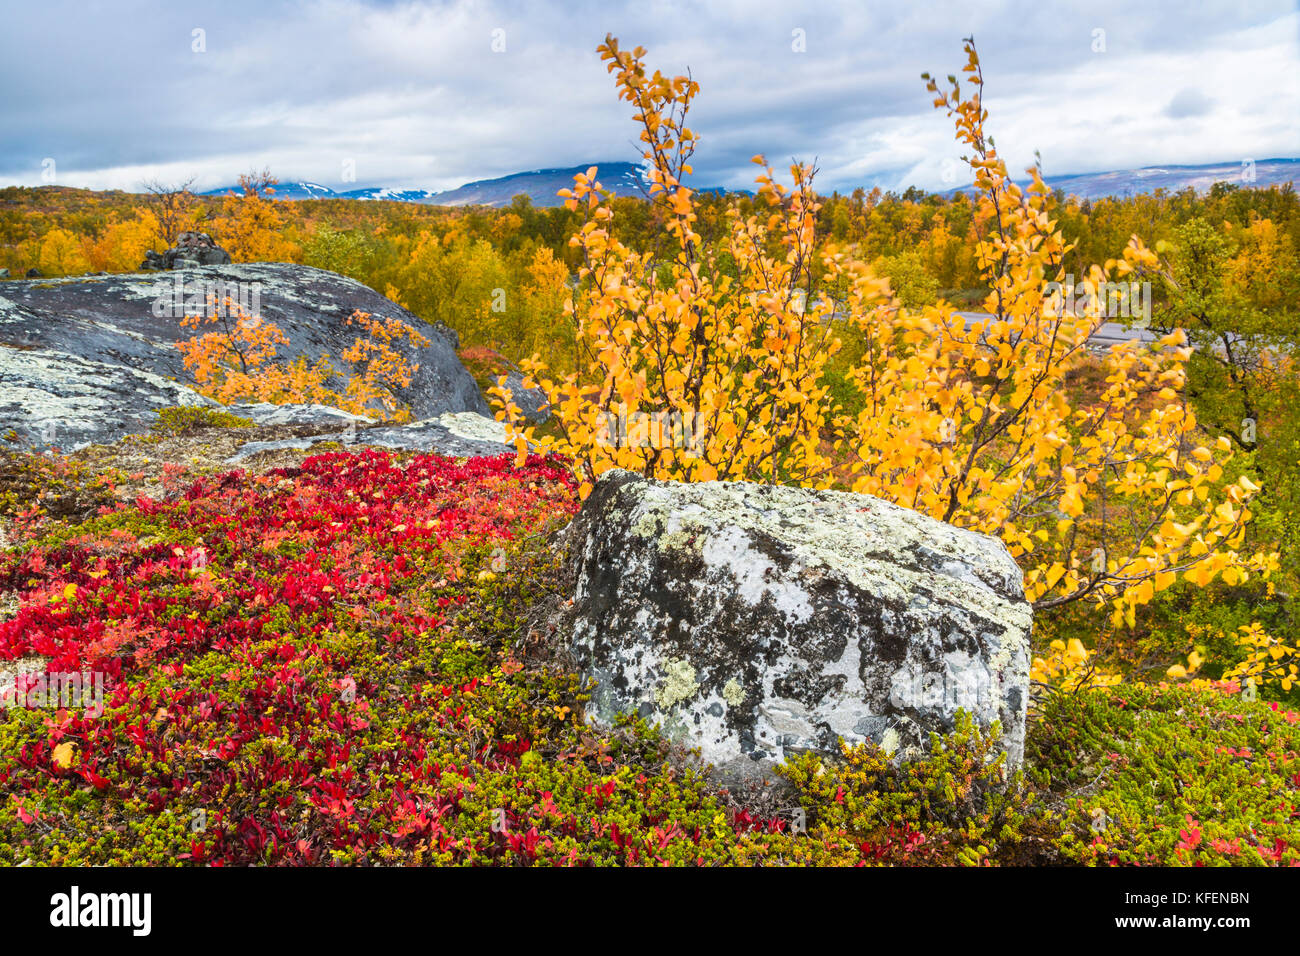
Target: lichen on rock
<point>755,622</point>
<point>679,684</point>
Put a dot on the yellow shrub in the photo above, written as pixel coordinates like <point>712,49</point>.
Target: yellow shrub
<point>693,371</point>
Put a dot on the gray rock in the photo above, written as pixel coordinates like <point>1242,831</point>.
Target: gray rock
<point>4,273</point>
<point>456,434</point>
<point>264,413</point>
<point>531,401</point>
<point>755,622</point>
<point>59,338</point>
<point>192,249</point>
<point>57,400</point>
<point>33,273</point>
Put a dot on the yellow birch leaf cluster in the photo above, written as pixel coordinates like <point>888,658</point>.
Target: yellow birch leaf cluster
<point>234,358</point>
<point>693,371</point>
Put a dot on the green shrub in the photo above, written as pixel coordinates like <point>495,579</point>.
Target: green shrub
<point>183,420</point>
<point>1170,776</point>
<point>955,805</point>
<point>51,485</point>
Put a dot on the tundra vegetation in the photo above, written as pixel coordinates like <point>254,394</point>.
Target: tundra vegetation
<point>339,661</point>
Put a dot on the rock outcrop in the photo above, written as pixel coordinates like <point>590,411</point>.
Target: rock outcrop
<point>754,622</point>
<point>90,359</point>
<point>459,434</point>
<point>191,249</point>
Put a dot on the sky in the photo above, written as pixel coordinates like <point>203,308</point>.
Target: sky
<point>110,93</point>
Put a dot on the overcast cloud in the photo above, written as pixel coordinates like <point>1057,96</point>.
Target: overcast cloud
<point>413,94</point>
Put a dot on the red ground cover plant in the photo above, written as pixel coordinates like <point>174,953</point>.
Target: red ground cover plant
<point>312,666</point>
<point>333,664</point>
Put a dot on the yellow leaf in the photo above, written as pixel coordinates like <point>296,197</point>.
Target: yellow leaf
<point>63,755</point>
<point>1143,592</point>
<point>1071,503</point>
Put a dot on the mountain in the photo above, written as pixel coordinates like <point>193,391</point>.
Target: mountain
<point>540,185</point>
<point>303,190</point>
<point>624,179</point>
<point>1130,182</point>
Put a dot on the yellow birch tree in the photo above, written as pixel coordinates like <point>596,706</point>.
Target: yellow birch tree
<point>691,372</point>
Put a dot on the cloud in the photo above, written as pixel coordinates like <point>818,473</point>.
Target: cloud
<point>434,94</point>
<point>1188,102</point>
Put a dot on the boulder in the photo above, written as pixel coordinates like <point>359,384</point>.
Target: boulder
<point>57,400</point>
<point>530,401</point>
<point>93,357</point>
<point>755,622</point>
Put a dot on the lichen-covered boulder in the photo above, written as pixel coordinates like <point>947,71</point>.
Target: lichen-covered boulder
<point>89,359</point>
<point>755,622</point>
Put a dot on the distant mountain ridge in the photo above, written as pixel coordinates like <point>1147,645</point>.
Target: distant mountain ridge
<point>625,179</point>
<point>540,185</point>
<point>1131,182</point>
